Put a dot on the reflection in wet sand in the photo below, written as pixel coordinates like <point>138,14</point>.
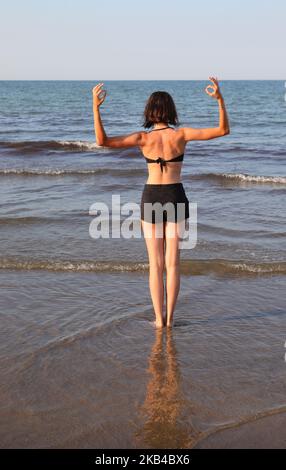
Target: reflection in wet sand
<point>165,412</point>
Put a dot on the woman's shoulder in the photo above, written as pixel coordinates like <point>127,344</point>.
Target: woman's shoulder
<point>180,130</point>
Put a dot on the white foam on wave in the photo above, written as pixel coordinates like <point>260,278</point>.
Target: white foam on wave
<point>84,145</point>
<point>47,171</point>
<point>62,265</point>
<point>274,268</point>
<point>255,178</point>
<point>199,266</point>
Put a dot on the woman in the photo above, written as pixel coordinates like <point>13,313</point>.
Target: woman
<point>163,185</point>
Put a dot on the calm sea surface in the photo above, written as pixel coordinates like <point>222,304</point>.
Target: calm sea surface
<point>79,357</point>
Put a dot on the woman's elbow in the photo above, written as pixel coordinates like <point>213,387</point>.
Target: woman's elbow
<point>100,142</point>
<point>225,131</point>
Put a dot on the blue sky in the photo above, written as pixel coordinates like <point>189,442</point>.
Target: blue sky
<point>151,39</point>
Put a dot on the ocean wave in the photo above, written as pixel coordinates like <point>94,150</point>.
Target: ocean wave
<point>226,267</point>
<point>188,267</point>
<point>240,178</point>
<point>71,265</point>
<point>34,146</point>
<point>71,172</point>
<point>113,171</point>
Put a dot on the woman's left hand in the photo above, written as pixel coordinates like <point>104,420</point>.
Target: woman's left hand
<point>98,94</point>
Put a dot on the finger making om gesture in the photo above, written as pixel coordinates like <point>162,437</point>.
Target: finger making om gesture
<point>215,93</point>
<point>98,94</point>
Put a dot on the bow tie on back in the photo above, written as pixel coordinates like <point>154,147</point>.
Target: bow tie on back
<point>161,161</point>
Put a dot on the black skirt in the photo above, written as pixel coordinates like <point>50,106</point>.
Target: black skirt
<point>173,203</point>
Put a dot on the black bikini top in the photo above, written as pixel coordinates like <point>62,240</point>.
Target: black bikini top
<point>160,160</point>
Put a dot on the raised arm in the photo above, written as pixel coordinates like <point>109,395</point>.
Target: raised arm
<point>191,133</point>
<point>121,141</point>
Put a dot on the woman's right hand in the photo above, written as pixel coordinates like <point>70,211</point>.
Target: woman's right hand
<point>215,93</point>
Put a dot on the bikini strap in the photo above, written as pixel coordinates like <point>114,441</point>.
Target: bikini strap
<point>163,162</point>
<point>161,128</point>
<point>179,158</point>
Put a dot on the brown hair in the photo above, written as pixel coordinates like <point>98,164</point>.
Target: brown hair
<point>160,107</point>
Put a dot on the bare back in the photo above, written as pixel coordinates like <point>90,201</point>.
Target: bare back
<point>167,144</point>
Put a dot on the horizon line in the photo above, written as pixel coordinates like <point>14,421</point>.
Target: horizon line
<point>133,79</point>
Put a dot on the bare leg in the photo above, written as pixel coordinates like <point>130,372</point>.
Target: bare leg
<point>155,248</point>
<point>172,261</point>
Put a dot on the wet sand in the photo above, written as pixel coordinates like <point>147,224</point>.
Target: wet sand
<point>268,432</point>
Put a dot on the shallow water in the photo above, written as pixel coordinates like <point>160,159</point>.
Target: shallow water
<point>78,368</point>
